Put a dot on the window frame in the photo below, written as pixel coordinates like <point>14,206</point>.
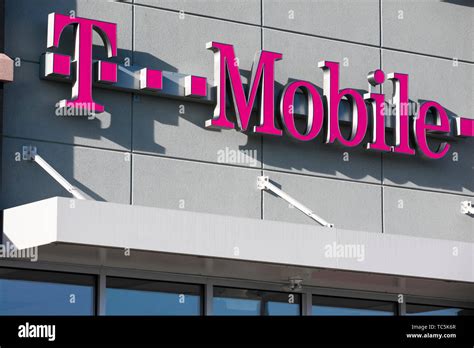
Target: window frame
<point>54,277</point>
<point>264,300</point>
<point>201,293</point>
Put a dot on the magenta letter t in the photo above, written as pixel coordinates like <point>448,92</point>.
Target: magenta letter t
<point>83,30</point>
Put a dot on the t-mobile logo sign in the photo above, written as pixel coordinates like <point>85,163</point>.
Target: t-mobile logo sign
<point>368,114</point>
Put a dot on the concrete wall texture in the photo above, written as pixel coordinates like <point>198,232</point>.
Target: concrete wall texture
<point>144,151</point>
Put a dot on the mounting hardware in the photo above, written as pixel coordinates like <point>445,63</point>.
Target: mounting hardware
<point>296,284</point>
<point>467,208</point>
<point>263,183</point>
<point>29,153</point>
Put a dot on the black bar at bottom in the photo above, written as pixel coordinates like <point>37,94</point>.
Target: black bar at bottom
<point>136,331</point>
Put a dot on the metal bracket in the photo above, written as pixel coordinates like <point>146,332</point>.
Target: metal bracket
<point>467,208</point>
<point>263,183</point>
<point>296,284</point>
<point>29,153</point>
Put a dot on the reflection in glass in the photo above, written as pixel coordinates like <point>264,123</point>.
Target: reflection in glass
<point>418,309</point>
<point>26,292</point>
<point>144,297</point>
<point>232,301</point>
<point>326,305</point>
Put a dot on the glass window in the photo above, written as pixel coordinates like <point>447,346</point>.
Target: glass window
<point>27,292</point>
<point>145,297</point>
<point>326,305</point>
<point>419,309</point>
<point>232,301</point>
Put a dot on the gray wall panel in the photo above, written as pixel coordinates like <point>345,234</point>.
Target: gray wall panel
<point>27,23</point>
<point>102,175</point>
<point>302,53</point>
<point>453,173</point>
<point>159,127</point>
<point>347,205</point>
<point>436,27</point>
<point>174,184</point>
<point>442,80</point>
<point>319,159</point>
<point>35,116</point>
<point>237,10</point>
<point>180,44</point>
<point>427,214</point>
<point>351,20</point>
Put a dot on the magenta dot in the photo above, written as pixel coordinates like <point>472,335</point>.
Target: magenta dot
<point>379,76</point>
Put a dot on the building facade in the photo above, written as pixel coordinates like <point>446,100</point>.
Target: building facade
<point>174,221</point>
